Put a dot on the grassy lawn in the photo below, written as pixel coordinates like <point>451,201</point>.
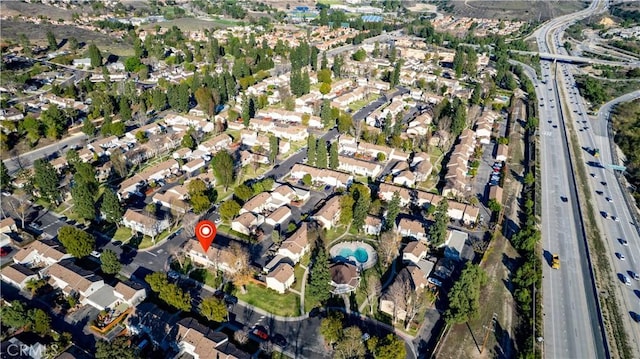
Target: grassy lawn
<point>287,304</point>
<point>298,273</point>
<point>207,277</point>
<point>122,234</point>
<point>357,105</point>
<point>334,233</point>
<point>330,2</point>
<point>309,302</point>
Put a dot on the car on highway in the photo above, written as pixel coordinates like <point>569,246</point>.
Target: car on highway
<point>623,241</point>
<point>615,218</point>
<point>634,275</point>
<point>600,193</point>
<point>620,256</point>
<point>608,199</point>
<point>626,280</point>
<point>603,183</point>
<point>555,261</point>
<point>564,199</point>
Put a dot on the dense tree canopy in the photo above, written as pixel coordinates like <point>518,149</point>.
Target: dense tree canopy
<point>77,242</point>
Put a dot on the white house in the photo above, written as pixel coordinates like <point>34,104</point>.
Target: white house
<point>329,214</point>
<point>281,278</point>
<point>245,223</point>
<point>414,251</point>
<point>296,246</point>
<point>411,228</point>
<point>279,216</point>
<point>41,253</point>
<point>372,225</point>
<point>144,223</point>
<point>18,275</point>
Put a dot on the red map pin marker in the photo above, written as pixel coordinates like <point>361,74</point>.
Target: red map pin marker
<point>205,232</point>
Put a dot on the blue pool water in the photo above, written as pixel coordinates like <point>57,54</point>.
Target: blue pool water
<point>359,254</point>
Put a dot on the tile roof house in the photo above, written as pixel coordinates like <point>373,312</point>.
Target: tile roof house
<point>412,228</point>
<point>344,278</point>
<point>18,275</point>
<point>358,167</point>
<point>414,251</point>
<point>216,144</point>
<point>325,176</point>
<point>297,245</point>
<point>502,153</point>
<point>217,257</point>
<point>279,216</point>
<point>172,201</point>
<point>194,166</point>
<point>281,278</point>
<point>144,223</point>
<point>130,292</point>
<point>257,204</point>
<point>246,223</point>
<point>405,178</point>
<point>329,214</point>
<point>372,225</point>
<point>200,342</point>
<point>72,280</point>
<point>495,192</point>
<point>386,192</point>
<point>41,253</point>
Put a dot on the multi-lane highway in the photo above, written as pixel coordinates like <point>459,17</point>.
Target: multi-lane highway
<point>572,326</point>
<point>572,323</point>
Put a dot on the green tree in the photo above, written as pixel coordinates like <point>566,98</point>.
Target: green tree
<point>334,161</point>
<point>14,315</point>
<point>213,309</point>
<point>119,347</point>
<point>243,192</point>
<point>321,161</point>
<point>464,297</point>
<point>188,141</point>
<point>83,202</point>
<point>229,209</point>
<point>273,148</point>
<point>359,55</point>
<point>88,128</point>
<point>325,114</point>
<point>5,179</point>
<point>389,347</point>
<point>33,127</point>
<point>346,209</point>
<point>529,179</point>
<point>111,207</point>
<point>51,40</point>
<point>362,198</point>
<point>320,277</point>
<point>109,262</point>
<point>325,88</point>
<point>324,76</point>
<point>95,55</point>
<point>331,327</point>
<point>392,211</point>
<point>438,230</point>
<point>200,203</point>
<point>125,109</point>
<point>45,180</point>
<point>311,150</point>
<point>476,96</point>
<point>55,122</point>
<point>77,242</point>
<point>170,293</point>
<point>223,168</point>
<point>40,321</point>
<point>345,121</point>
<point>307,180</point>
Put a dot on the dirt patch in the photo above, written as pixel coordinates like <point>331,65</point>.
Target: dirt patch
<point>466,341</point>
<point>37,33</point>
<point>515,10</point>
<point>13,8</point>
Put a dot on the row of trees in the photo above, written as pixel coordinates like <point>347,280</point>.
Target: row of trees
<point>348,343</point>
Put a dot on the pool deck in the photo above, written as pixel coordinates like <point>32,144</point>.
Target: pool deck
<point>353,245</point>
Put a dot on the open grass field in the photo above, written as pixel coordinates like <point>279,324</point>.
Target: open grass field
<point>287,304</point>
<point>515,10</point>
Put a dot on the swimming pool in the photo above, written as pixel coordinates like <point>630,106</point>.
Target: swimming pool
<point>360,254</point>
